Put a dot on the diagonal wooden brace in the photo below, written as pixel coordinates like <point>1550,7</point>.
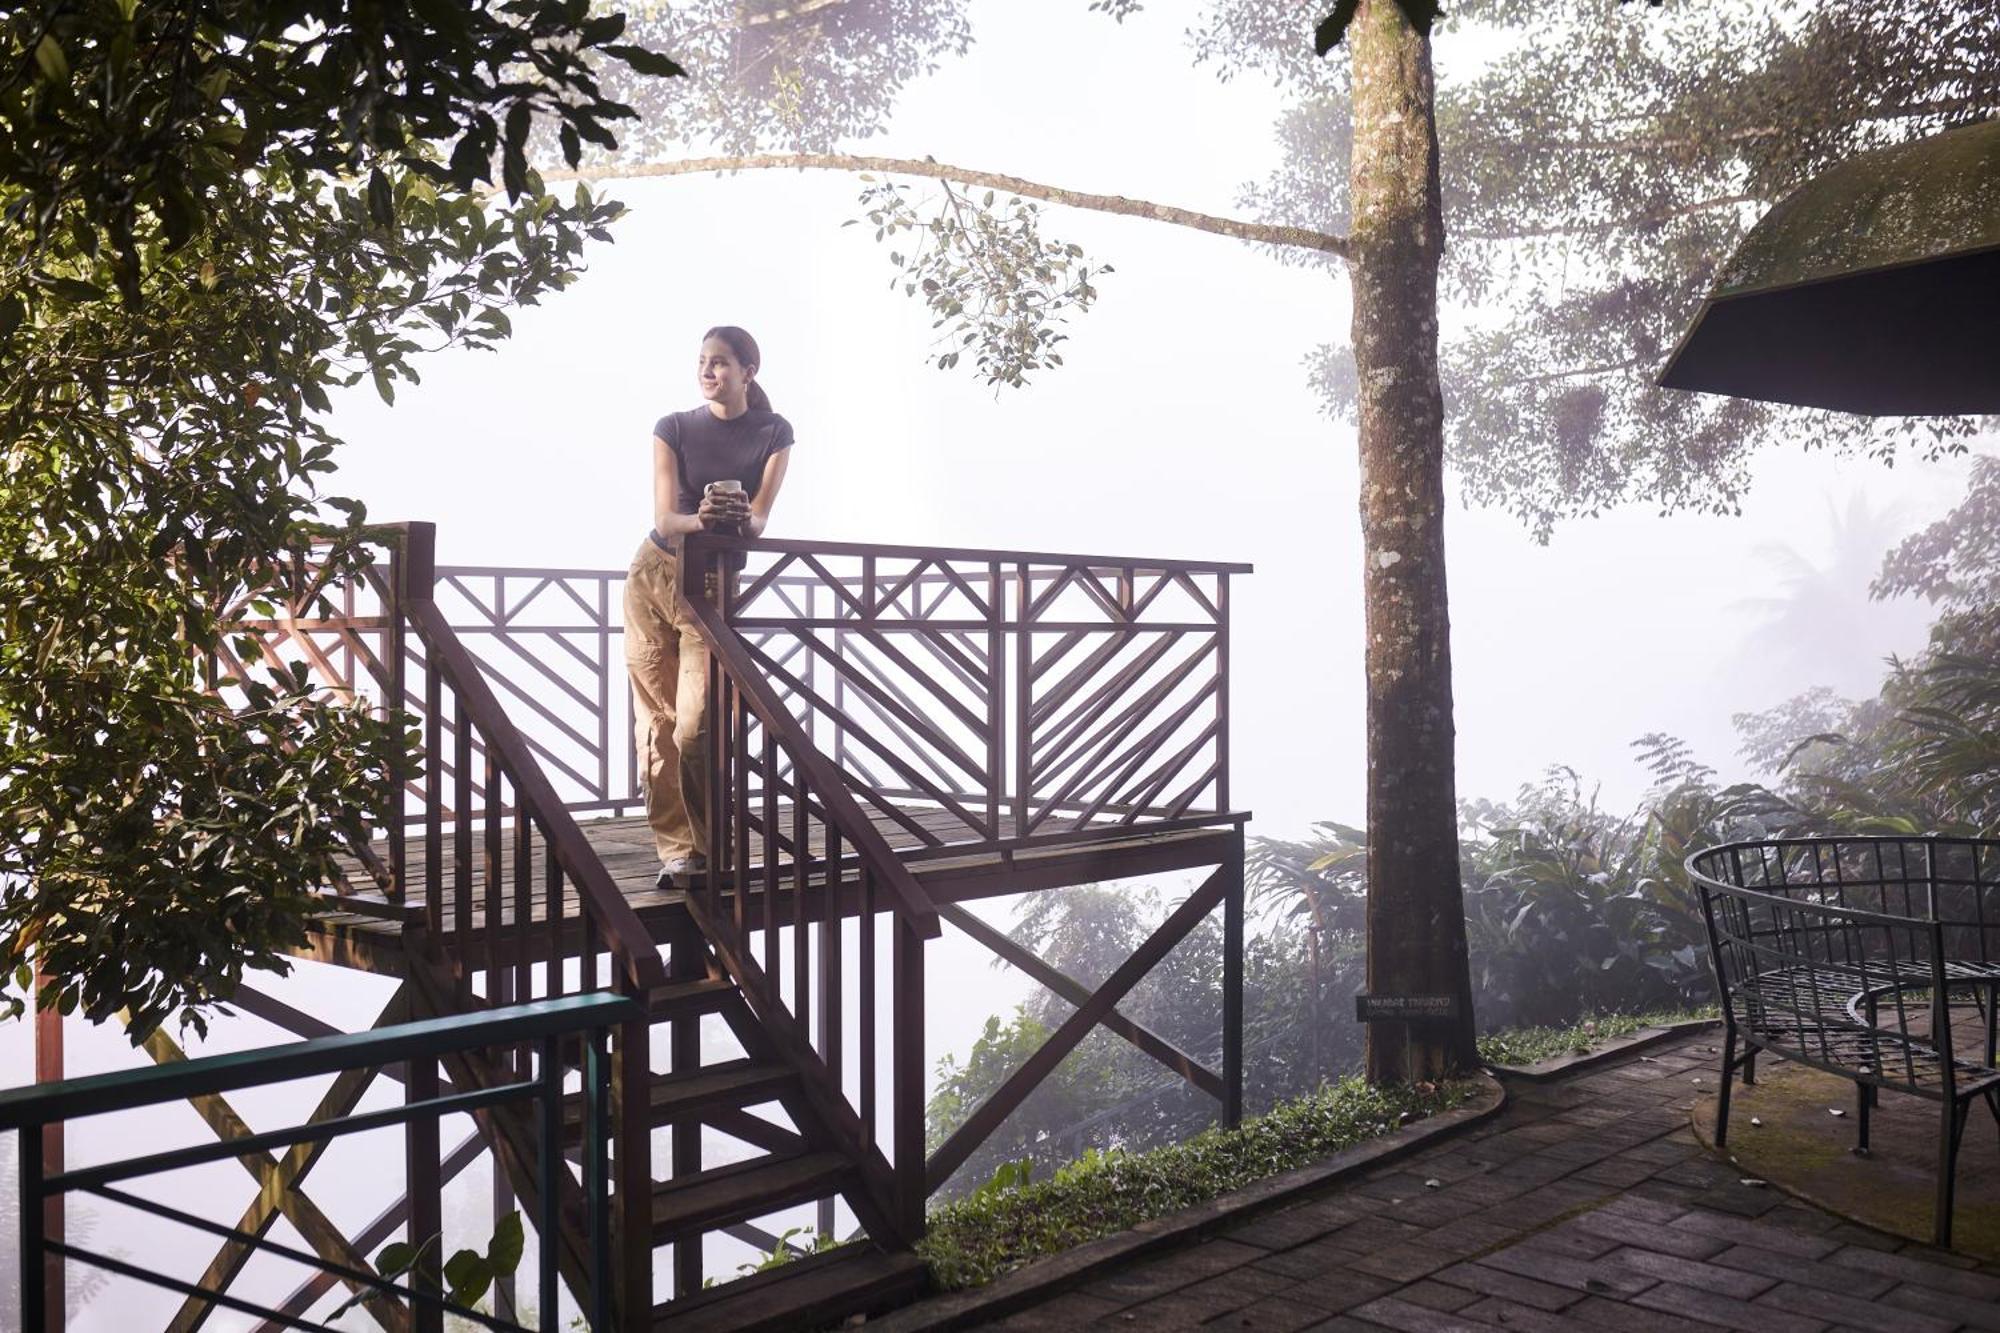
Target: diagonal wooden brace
<point>293,1169</point>
<point>277,1187</point>
<point>1078,994</point>
<point>981,1123</point>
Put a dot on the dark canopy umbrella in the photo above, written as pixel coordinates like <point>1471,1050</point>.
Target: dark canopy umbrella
<point>1873,288</point>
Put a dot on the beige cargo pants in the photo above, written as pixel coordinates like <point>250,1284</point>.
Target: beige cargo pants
<point>668,663</point>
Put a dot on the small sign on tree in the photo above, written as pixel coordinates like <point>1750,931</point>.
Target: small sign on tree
<point>1405,1008</point>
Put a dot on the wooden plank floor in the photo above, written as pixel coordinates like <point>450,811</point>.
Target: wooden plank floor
<point>367,922</point>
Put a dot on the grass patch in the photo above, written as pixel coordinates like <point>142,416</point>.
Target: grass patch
<point>974,1240</point>
<point>1523,1046</point>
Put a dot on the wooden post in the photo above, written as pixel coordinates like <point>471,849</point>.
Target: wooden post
<point>632,1196</point>
<point>686,962</point>
<point>49,1161</point>
<point>1232,985</point>
<point>906,1065</point>
<point>420,1150</point>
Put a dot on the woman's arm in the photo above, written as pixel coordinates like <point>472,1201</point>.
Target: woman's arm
<point>767,492</point>
<point>668,520</point>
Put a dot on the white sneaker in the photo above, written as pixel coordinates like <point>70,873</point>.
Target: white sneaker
<point>682,868</point>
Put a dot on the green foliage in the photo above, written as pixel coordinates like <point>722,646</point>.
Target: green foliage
<point>777,74</point>
<point>1598,164</point>
<point>207,222</point>
<point>468,1274</point>
<point>785,1251</point>
<point>974,1240</point>
<point>992,282</point>
<point>1524,1046</point>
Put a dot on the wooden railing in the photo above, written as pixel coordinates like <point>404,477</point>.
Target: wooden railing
<point>1001,698</point>
<point>506,872</point>
<point>792,859</point>
<point>416,1302</point>
<point>1012,698</point>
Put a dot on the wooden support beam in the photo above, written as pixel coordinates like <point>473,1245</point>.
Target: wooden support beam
<point>389,1221</point>
<point>345,1094</point>
<point>296,1207</point>
<point>979,1126</point>
<point>49,1069</point>
<point>1079,994</point>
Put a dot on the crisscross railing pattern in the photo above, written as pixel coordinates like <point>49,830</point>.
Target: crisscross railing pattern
<point>999,697</point>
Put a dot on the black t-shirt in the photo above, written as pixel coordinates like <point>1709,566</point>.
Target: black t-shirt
<point>708,448</point>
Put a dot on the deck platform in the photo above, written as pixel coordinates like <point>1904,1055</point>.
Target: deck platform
<point>365,929</point>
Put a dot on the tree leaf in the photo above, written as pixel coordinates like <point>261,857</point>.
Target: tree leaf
<point>646,62</point>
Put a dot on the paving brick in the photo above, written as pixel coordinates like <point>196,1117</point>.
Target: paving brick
<point>1405,1262</point>
<point>1693,1273</point>
<point>1273,1314</point>
<point>1071,1310</point>
<point>1291,1226</point>
<point>1437,1295</point>
<point>1761,1234</point>
<point>1968,1310</point>
<point>1725,1310</point>
<point>1588,1275</point>
<point>1506,1314</point>
<point>1375,1233</point>
<point>1921,1272</point>
<point>1649,1235</point>
<point>1309,1260</point>
<point>1489,1189</point>
<point>1568,1239</point>
<point>1603,1313</point>
<point>1392,1313</point>
<point>1620,1170</point>
<point>1183,1268</point>
<point>1469,1235</point>
<point>1830,1277</point>
<point>1202,1301</point>
<point>1339,1290</point>
<point>1836,1308</point>
<point>1508,1286</point>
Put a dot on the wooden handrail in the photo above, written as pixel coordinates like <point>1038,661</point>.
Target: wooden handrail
<point>708,542</point>
<point>627,936</point>
<point>913,904</point>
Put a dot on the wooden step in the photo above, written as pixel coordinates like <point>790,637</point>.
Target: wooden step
<point>689,999</point>
<point>809,1292</point>
<point>743,1190</point>
<point>733,1084</point>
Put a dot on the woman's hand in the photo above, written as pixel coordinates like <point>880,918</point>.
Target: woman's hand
<point>723,511</point>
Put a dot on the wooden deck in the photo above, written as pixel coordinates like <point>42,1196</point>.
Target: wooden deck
<point>365,930</point>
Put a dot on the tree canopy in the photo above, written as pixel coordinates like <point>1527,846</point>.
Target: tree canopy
<point>1600,163</point>
<point>210,215</point>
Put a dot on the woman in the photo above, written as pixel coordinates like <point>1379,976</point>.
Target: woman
<point>733,437</point>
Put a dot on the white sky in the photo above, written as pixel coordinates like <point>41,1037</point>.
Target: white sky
<point>1181,427</point>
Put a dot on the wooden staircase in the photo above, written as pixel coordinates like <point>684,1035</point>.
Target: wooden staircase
<point>1004,721</point>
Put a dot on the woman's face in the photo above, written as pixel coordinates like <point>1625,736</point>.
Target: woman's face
<point>723,379</point>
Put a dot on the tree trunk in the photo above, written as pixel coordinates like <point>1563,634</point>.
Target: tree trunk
<point>1416,914</point>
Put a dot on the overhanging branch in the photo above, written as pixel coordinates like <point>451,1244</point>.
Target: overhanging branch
<point>1303,238</point>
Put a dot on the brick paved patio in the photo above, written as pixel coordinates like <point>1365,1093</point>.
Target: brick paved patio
<point>1587,1204</point>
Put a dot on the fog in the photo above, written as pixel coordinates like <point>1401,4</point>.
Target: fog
<point>1181,426</point>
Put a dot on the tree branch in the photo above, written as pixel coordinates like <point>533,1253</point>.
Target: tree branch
<point>1267,233</point>
<point>1617,224</point>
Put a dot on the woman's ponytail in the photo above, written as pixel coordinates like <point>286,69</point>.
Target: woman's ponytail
<point>745,347</point>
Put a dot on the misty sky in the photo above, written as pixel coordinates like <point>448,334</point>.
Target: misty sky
<point>1182,426</point>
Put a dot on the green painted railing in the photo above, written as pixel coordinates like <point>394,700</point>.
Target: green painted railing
<point>543,1024</point>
